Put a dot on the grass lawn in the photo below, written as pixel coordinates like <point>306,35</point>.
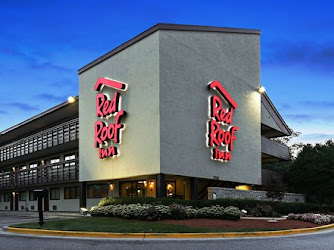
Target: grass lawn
<point>115,225</point>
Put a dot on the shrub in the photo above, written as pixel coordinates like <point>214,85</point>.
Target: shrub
<point>248,204</point>
<point>320,219</point>
<point>152,213</point>
<point>178,211</point>
<point>174,211</point>
<point>261,210</point>
<point>232,213</point>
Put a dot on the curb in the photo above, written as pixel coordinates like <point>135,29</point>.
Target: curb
<point>165,235</point>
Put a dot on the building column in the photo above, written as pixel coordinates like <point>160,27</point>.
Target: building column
<point>83,194</point>
<point>160,185</point>
<point>194,182</point>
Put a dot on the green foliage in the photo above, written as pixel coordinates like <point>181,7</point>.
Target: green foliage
<point>152,213</point>
<point>232,213</point>
<point>312,172</point>
<point>261,210</point>
<point>280,207</point>
<point>282,167</point>
<point>178,211</point>
<point>275,189</point>
<point>174,211</point>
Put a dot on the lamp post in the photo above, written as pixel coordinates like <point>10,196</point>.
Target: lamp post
<point>39,194</point>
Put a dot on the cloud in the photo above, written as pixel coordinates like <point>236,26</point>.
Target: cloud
<point>312,138</point>
<point>311,54</point>
<point>323,104</point>
<point>49,66</point>
<point>22,106</point>
<point>299,116</point>
<point>316,137</point>
<point>18,54</point>
<point>36,60</point>
<point>50,97</point>
<point>3,112</point>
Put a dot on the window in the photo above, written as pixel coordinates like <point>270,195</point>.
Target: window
<point>22,196</point>
<point>54,160</point>
<point>97,191</point>
<point>69,157</point>
<point>132,189</point>
<point>54,194</point>
<point>33,165</point>
<point>32,196</point>
<point>71,193</point>
<point>6,197</point>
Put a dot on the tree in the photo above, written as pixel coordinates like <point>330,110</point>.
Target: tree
<point>294,148</point>
<point>275,192</point>
<point>312,172</point>
<point>275,189</point>
<point>283,167</point>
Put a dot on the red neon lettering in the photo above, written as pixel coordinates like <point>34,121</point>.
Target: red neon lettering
<point>233,129</point>
<point>220,89</point>
<point>101,82</point>
<point>221,155</point>
<point>107,152</point>
<point>219,113</point>
<point>104,107</point>
<point>219,136</point>
<point>104,132</point>
<point>213,130</point>
<point>220,116</point>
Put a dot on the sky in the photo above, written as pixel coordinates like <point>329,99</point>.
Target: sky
<point>44,43</point>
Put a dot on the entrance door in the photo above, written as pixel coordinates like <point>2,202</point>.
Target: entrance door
<point>12,201</point>
<point>170,189</point>
<point>46,201</point>
<point>16,201</point>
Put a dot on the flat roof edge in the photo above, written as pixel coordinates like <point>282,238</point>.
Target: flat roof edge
<point>35,117</point>
<point>165,26</point>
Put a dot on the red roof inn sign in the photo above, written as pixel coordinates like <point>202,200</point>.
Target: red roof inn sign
<point>105,109</point>
<point>221,117</point>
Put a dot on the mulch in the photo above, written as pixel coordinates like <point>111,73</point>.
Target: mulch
<point>243,223</point>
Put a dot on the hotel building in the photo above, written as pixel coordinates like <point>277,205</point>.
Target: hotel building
<point>169,113</point>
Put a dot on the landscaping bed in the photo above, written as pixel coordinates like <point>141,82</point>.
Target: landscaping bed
<point>117,225</point>
<point>242,224</point>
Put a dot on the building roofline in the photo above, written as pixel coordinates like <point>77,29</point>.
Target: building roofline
<point>53,109</point>
<point>165,26</point>
<point>275,114</point>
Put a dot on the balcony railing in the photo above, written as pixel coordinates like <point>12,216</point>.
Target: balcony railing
<point>51,173</point>
<point>274,150</point>
<point>65,132</point>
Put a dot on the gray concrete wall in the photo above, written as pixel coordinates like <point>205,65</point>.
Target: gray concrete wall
<point>267,119</point>
<point>218,193</point>
<point>188,62</point>
<point>64,204</point>
<point>137,66</point>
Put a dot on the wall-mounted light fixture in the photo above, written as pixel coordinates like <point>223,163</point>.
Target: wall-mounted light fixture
<point>71,99</point>
<point>261,89</point>
<point>145,183</point>
<point>111,186</point>
<point>151,185</point>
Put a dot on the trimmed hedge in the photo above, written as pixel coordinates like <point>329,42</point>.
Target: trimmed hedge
<point>173,211</point>
<point>279,207</point>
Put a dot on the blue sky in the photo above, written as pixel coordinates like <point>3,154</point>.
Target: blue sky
<point>43,43</point>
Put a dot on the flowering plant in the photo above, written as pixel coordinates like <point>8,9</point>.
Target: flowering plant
<point>174,211</point>
<point>320,219</point>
